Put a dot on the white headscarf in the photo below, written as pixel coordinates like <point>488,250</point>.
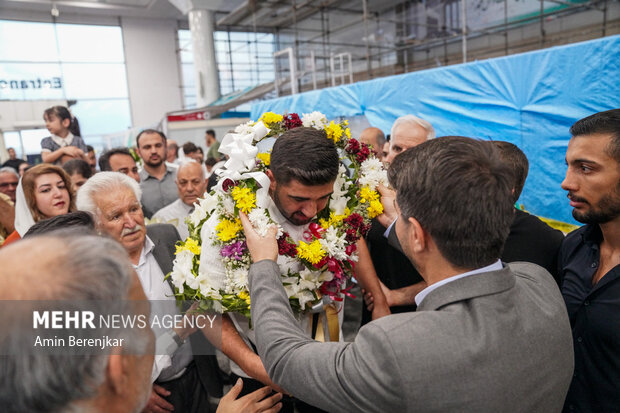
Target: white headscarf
<point>23,216</point>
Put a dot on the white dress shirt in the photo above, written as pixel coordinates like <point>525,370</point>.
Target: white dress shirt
<point>175,214</point>
<point>497,265</point>
<point>170,359</point>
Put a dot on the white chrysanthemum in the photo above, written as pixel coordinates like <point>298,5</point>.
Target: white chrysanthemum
<point>334,244</point>
<point>182,269</point>
<point>260,221</point>
<point>244,128</point>
<point>228,205</point>
<point>238,278</point>
<point>288,264</point>
<point>314,120</point>
<point>373,179</point>
<point>372,173</point>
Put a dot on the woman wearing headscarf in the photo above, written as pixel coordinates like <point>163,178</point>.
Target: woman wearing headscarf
<point>45,191</point>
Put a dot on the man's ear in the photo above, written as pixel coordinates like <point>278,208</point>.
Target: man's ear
<point>272,180</point>
<point>116,372</point>
<point>418,240</point>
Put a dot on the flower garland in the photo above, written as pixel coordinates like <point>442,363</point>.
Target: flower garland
<point>327,252</point>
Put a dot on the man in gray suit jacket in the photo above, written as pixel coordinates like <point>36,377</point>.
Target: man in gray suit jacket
<point>486,337</point>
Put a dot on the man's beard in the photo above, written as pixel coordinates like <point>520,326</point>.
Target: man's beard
<point>293,219</point>
<point>607,209</point>
<point>154,164</point>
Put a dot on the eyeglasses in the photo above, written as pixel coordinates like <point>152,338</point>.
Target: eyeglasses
<point>5,184</point>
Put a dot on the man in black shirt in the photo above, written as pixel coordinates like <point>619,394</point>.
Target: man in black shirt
<point>589,262</point>
<point>530,239</point>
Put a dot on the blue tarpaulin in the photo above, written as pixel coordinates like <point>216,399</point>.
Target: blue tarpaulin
<point>529,99</point>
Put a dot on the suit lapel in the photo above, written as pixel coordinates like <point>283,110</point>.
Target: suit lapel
<point>476,285</point>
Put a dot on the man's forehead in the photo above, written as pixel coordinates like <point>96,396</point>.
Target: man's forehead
<point>122,157</point>
<point>7,176</point>
<point>298,189</point>
<point>113,198</point>
<point>589,147</point>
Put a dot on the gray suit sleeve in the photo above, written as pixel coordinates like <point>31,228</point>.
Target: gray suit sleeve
<point>339,377</point>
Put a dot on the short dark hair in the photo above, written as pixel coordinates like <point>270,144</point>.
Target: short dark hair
<point>90,148</point>
<point>150,131</point>
<point>607,122</point>
<point>518,163</point>
<point>459,191</point>
<point>79,222</point>
<point>104,159</point>
<point>189,147</point>
<point>210,132</point>
<point>79,166</point>
<point>306,155</point>
<point>210,161</point>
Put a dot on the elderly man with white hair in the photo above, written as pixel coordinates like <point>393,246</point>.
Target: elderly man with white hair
<point>191,184</point>
<point>408,131</point>
<point>60,268</point>
<point>400,280</point>
<point>114,200</point>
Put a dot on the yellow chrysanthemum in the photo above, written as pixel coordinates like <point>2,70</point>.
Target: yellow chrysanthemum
<point>227,229</point>
<point>270,117</point>
<point>243,295</point>
<point>334,219</point>
<point>334,131</point>
<point>375,208</point>
<point>265,157</point>
<point>347,132</point>
<point>192,246</point>
<point>311,252</point>
<point>368,195</point>
<point>244,198</point>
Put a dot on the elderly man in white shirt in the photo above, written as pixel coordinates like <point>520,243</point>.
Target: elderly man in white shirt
<point>191,184</point>
<point>113,198</point>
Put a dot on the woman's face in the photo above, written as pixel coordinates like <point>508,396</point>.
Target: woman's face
<point>77,179</point>
<point>51,195</point>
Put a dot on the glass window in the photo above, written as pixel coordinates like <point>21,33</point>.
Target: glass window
<point>102,116</point>
<point>245,61</point>
<point>12,140</point>
<point>80,43</point>
<point>26,81</point>
<point>31,139</point>
<point>95,81</point>
<point>28,42</point>
<point>67,62</point>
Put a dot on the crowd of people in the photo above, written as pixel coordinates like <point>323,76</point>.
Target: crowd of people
<point>470,304</point>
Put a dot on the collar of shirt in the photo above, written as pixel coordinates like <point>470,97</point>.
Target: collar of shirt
<point>62,142</point>
<point>144,175</point>
<point>150,274</point>
<point>592,235</point>
<point>295,231</point>
<point>497,265</point>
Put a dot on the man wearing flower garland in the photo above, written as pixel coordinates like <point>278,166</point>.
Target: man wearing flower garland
<point>485,337</point>
<point>303,168</point>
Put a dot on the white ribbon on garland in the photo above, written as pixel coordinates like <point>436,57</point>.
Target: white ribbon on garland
<point>242,159</point>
